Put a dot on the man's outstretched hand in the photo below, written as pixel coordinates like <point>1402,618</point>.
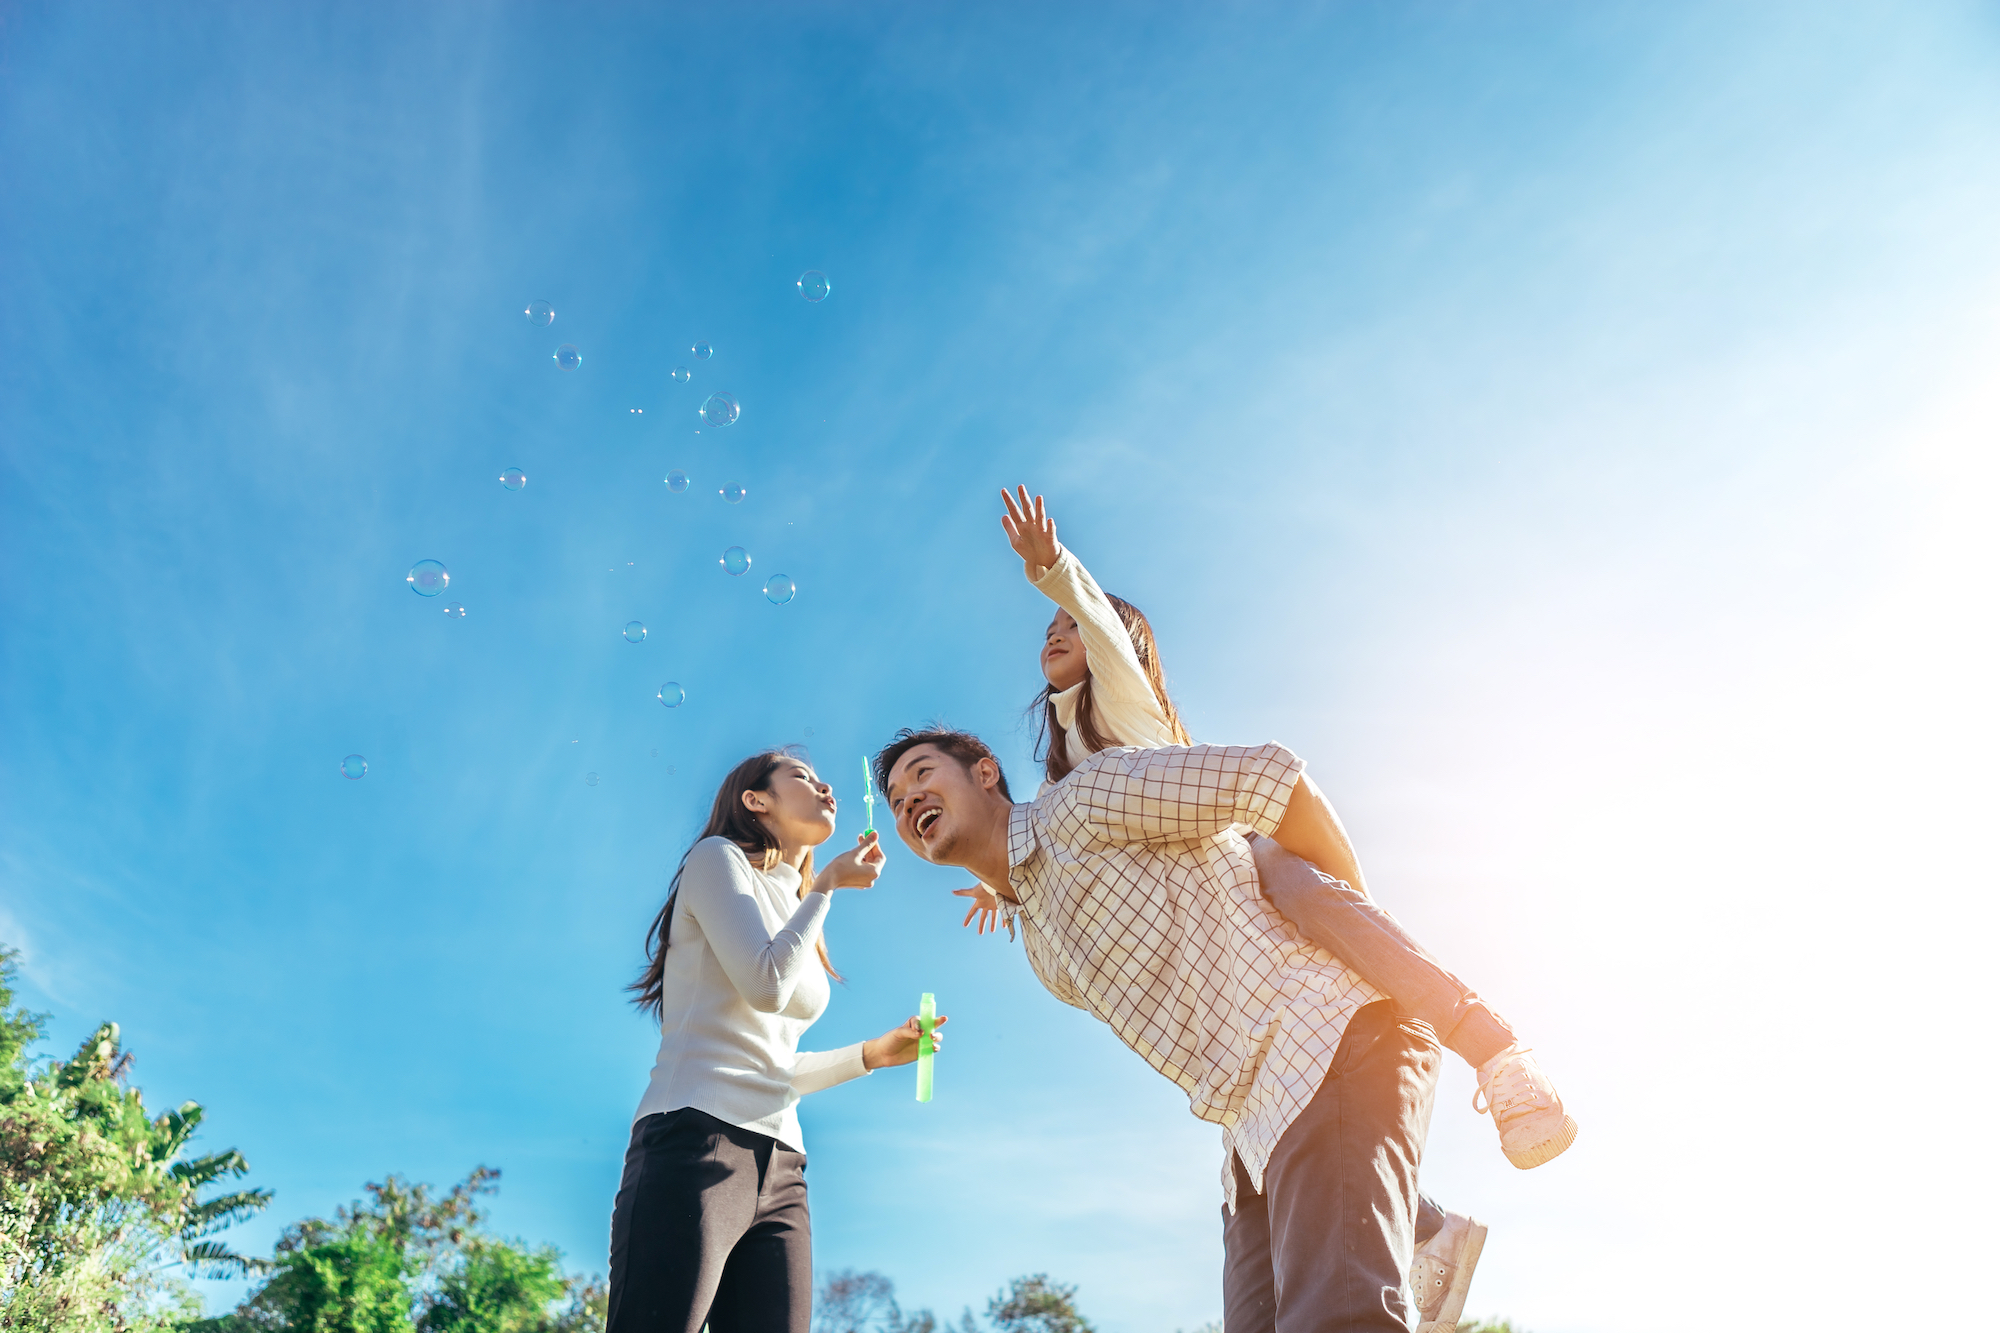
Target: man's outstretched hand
<point>984,906</point>
<point>1030,531</point>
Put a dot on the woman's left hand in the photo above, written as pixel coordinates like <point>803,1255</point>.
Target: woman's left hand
<point>898,1046</point>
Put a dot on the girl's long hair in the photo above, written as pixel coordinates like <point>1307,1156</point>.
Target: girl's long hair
<point>727,818</point>
<point>1052,744</point>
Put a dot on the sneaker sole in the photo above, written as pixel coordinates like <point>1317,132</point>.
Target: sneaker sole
<point>1461,1284</point>
<point>1548,1149</point>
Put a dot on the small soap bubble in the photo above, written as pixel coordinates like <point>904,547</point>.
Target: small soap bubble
<point>670,770</point>
<point>701,351</point>
<point>734,492</point>
<point>720,410</point>
<point>428,578</point>
<point>736,560</point>
<point>814,286</point>
<point>682,374</point>
<point>677,481</point>
<point>809,731</point>
<point>635,632</point>
<point>540,314</point>
<point>454,610</point>
<point>354,767</point>
<point>672,696</point>
<point>568,357</point>
<point>513,479</point>
<point>656,752</point>
<point>779,589</point>
<point>590,779</point>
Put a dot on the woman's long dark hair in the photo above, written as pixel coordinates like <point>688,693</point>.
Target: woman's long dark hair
<point>1052,745</point>
<point>727,818</point>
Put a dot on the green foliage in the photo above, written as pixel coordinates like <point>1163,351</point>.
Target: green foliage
<point>407,1260</point>
<point>98,1206</point>
<point>1036,1305</point>
<point>497,1289</point>
<point>351,1285</point>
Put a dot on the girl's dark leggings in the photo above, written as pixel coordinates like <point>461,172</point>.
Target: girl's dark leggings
<point>710,1227</point>
<point>1353,928</point>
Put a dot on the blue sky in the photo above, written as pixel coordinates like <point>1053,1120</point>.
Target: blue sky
<point>1570,427</point>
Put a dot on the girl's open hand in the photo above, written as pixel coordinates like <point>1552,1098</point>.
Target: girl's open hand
<point>898,1046</point>
<point>857,868</point>
<point>1030,531</point>
<point>984,906</point>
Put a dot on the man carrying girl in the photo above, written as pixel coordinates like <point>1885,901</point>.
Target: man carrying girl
<point>1292,1010</point>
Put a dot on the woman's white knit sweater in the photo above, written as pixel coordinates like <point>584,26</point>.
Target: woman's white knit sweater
<point>742,983</point>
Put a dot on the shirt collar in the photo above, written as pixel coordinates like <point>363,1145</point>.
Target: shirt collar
<point>1023,844</point>
<point>1065,702</point>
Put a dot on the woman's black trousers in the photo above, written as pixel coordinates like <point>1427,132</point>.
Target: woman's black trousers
<point>710,1227</point>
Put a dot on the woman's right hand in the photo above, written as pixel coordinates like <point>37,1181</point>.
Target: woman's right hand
<point>857,868</point>
<point>1030,531</point>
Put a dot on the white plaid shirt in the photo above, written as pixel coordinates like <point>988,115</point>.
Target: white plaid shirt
<point>1141,905</point>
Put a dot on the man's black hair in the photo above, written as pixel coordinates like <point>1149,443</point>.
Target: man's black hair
<point>963,746</point>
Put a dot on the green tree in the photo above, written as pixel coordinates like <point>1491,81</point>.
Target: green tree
<point>408,1260</point>
<point>101,1214</point>
<point>1036,1305</point>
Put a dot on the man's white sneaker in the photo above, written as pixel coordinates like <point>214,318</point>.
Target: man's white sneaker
<point>1533,1126</point>
<point>1442,1273</point>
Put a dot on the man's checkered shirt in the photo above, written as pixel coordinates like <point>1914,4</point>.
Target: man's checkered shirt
<point>1141,905</point>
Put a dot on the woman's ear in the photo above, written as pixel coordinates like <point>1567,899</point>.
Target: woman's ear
<point>753,802</point>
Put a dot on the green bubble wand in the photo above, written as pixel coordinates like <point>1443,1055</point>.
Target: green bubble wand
<point>868,794</point>
<point>927,1008</point>
<point>926,1044</point>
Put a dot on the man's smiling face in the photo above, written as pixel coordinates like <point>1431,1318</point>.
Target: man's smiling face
<point>941,806</point>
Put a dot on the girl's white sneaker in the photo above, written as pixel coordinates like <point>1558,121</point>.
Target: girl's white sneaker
<point>1442,1273</point>
<point>1533,1126</point>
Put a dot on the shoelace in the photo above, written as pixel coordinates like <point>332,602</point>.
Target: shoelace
<point>1512,1086</point>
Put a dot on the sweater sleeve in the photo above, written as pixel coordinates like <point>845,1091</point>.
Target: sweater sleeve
<point>1125,699</point>
<point>716,889</point>
<point>815,1071</point>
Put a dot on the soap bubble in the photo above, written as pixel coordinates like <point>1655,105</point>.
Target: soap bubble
<point>568,357</point>
<point>682,374</point>
<point>779,589</point>
<point>677,481</point>
<point>427,578</point>
<point>513,479</point>
<point>635,632</point>
<point>656,752</point>
<point>736,560</point>
<point>540,314</point>
<point>353,767</point>
<point>720,410</point>
<point>672,696</point>
<point>814,286</point>
<point>590,779</point>
<point>809,731</point>
<point>702,351</point>
<point>733,493</point>
<point>454,610</point>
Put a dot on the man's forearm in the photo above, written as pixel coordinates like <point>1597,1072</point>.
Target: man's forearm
<point>1311,829</point>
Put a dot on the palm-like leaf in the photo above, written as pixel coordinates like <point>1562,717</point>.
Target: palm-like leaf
<point>211,1258</point>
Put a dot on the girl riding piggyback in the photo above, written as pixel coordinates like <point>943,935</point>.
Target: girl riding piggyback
<point>1105,689</point>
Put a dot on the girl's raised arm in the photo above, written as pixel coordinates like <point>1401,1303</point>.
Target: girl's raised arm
<point>1124,695</point>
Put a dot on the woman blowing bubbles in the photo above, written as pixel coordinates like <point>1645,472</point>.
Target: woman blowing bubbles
<point>711,1225</point>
